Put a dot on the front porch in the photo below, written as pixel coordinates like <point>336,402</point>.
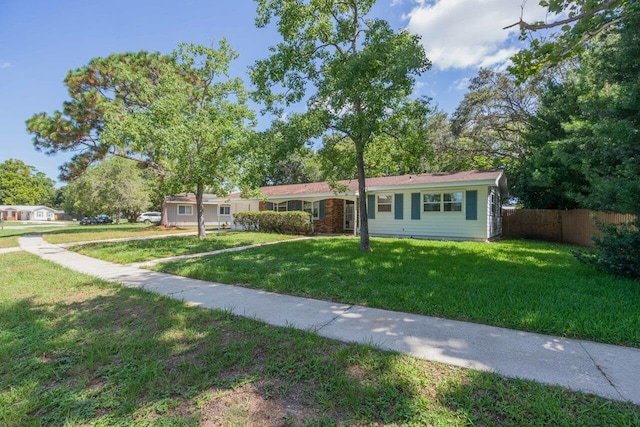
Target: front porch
<point>334,215</point>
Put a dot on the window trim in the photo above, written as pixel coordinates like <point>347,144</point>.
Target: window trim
<point>227,208</point>
<point>390,203</point>
<point>185,213</point>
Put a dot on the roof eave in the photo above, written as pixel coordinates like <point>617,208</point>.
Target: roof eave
<point>493,182</point>
<point>310,195</point>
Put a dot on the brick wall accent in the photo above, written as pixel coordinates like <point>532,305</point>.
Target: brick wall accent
<point>333,222</point>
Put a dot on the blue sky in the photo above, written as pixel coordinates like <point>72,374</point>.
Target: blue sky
<point>41,40</point>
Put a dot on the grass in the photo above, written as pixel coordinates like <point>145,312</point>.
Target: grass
<point>531,286</point>
<point>76,351</point>
<point>73,232</point>
<point>111,231</point>
<point>145,250</point>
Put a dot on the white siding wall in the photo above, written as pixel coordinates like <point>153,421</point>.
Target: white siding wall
<point>435,225</point>
<point>211,213</point>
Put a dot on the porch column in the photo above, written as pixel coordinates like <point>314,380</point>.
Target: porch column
<point>355,217</point>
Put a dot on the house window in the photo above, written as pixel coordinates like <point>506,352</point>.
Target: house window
<point>313,208</point>
<point>431,202</point>
<point>384,203</point>
<point>185,210</point>
<point>225,210</point>
<point>280,207</point>
<point>452,202</point>
<point>442,202</point>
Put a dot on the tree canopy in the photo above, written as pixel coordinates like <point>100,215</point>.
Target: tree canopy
<point>196,123</point>
<point>21,184</point>
<point>578,23</point>
<point>97,90</point>
<point>354,74</point>
<point>584,140</point>
<point>115,186</point>
<point>179,114</point>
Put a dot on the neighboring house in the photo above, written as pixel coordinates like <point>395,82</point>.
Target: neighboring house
<point>181,209</point>
<point>461,205</point>
<point>27,213</point>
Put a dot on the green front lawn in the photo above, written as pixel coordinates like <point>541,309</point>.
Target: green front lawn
<point>523,285</point>
<point>85,233</point>
<point>145,250</point>
<point>75,350</point>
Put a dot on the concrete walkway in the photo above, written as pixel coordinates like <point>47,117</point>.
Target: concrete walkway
<point>9,250</point>
<point>609,371</point>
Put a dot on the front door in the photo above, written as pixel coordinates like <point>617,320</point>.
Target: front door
<point>349,213</point>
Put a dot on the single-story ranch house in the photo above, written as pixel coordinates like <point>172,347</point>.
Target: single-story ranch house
<point>27,213</point>
<point>458,206</point>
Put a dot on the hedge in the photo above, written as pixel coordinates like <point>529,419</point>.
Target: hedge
<point>293,222</point>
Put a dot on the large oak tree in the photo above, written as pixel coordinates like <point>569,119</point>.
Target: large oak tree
<point>197,123</point>
<point>353,75</point>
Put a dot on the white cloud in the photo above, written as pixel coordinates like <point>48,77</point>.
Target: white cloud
<point>499,60</point>
<point>5,65</point>
<point>469,33</point>
<point>461,84</point>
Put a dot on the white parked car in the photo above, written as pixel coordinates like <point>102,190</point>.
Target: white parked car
<point>149,217</point>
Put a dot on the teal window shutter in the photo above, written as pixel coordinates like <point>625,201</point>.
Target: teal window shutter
<point>472,205</point>
<point>398,199</point>
<point>290,205</point>
<point>322,209</point>
<point>269,206</point>
<point>415,205</point>
<point>298,205</point>
<point>371,206</point>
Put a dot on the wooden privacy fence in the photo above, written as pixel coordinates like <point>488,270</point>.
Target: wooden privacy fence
<point>570,226</point>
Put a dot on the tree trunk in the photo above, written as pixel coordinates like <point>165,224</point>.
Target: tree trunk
<point>200,212</point>
<point>164,219</point>
<point>365,246</point>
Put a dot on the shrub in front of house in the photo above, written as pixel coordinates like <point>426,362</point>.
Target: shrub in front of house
<point>248,220</point>
<point>292,222</point>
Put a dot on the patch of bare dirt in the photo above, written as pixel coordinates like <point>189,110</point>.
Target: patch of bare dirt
<point>247,406</point>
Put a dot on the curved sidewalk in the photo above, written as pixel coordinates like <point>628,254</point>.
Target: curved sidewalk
<point>606,370</point>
